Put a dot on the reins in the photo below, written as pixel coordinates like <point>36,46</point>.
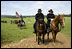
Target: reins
<point>56,27</point>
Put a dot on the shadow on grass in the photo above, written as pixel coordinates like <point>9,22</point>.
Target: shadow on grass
<point>24,27</point>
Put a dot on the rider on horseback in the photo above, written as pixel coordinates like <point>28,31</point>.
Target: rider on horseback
<point>49,17</point>
<point>37,16</point>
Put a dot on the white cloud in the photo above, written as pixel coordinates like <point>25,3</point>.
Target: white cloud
<point>31,7</point>
<point>17,6</point>
<point>38,4</point>
<point>7,13</point>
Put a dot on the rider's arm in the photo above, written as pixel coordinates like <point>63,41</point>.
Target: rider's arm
<point>43,16</point>
<point>47,16</point>
<point>36,17</point>
<point>53,16</point>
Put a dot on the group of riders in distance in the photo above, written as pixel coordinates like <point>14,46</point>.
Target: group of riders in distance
<point>20,23</point>
<point>41,28</point>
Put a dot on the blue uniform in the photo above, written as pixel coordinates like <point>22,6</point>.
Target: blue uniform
<point>39,16</point>
<point>21,18</point>
<point>49,16</point>
<point>36,17</point>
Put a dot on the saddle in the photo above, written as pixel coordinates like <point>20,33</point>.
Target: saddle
<point>51,21</point>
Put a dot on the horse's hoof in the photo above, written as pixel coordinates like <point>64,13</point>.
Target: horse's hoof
<point>54,43</point>
<point>38,43</point>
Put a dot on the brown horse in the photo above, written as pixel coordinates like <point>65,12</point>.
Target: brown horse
<point>40,29</point>
<point>14,21</point>
<point>54,25</point>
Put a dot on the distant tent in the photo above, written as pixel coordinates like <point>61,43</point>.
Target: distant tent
<point>17,15</point>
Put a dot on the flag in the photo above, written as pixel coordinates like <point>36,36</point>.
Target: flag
<point>17,15</point>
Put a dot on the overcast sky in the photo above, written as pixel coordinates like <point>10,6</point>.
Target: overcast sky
<point>31,7</point>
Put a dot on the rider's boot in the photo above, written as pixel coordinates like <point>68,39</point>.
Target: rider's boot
<point>34,31</point>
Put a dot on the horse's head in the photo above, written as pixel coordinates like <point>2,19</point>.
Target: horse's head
<point>61,20</point>
<point>41,25</point>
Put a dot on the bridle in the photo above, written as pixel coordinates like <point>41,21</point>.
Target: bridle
<point>60,24</point>
<point>59,21</point>
<point>41,23</point>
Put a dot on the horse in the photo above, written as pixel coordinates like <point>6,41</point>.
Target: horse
<point>40,30</point>
<point>21,23</point>
<point>4,21</point>
<point>54,26</point>
<point>15,21</point>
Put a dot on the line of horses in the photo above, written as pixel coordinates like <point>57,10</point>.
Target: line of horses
<point>14,21</point>
<point>18,22</point>
<point>3,21</point>
<point>54,28</point>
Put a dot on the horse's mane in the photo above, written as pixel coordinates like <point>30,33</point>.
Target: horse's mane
<point>58,16</point>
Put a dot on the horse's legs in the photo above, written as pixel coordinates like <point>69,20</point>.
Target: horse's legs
<point>39,38</point>
<point>54,37</point>
<point>43,37</point>
<point>36,36</point>
<point>48,35</point>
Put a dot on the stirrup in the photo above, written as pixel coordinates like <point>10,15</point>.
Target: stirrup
<point>34,31</point>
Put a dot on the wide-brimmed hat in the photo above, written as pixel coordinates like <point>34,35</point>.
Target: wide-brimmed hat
<point>50,10</point>
<point>39,10</point>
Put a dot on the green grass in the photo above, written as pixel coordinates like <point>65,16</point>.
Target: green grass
<point>67,29</point>
<point>11,33</point>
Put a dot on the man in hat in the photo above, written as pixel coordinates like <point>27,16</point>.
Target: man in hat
<point>49,17</point>
<point>38,15</point>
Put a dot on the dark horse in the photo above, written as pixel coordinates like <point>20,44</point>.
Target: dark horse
<point>3,21</point>
<point>40,30</point>
<point>14,21</point>
<point>21,23</point>
<point>54,26</point>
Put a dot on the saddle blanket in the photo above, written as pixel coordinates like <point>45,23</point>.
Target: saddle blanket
<point>51,21</point>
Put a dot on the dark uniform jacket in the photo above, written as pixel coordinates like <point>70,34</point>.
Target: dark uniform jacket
<point>50,16</point>
<point>39,16</point>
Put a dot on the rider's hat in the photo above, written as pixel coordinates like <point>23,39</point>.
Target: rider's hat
<point>50,10</point>
<point>39,10</point>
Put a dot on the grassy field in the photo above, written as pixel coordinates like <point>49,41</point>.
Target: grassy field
<point>11,33</point>
<point>67,29</point>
